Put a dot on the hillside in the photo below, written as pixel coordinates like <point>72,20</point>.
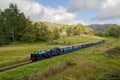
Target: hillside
<point>95,27</point>
<point>52,25</point>
<point>100,27</point>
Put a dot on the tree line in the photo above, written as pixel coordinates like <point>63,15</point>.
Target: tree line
<point>15,26</point>
<point>112,31</point>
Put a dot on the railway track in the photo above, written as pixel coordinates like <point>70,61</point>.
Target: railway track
<point>14,66</point>
<point>19,65</point>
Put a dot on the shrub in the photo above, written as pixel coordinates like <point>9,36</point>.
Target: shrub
<point>112,75</point>
<point>114,52</point>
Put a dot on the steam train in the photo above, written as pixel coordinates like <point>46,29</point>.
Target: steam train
<point>39,55</point>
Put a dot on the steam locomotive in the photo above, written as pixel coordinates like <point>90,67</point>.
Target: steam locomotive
<point>39,55</point>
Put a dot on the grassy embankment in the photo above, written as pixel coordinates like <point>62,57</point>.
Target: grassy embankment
<point>87,64</point>
<point>20,52</point>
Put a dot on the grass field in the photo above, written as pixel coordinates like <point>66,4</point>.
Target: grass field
<point>20,52</point>
<point>17,53</point>
<point>95,64</point>
<point>87,64</point>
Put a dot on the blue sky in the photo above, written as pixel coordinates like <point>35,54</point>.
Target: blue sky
<point>54,3</point>
<point>69,11</point>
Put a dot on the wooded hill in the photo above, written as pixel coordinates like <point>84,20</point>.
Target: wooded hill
<point>100,27</point>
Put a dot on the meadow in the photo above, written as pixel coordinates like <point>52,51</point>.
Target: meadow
<point>87,64</point>
<point>20,52</point>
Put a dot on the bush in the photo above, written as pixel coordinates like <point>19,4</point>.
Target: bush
<point>112,75</point>
<point>114,52</point>
<point>70,63</point>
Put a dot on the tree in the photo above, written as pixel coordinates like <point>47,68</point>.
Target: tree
<point>79,29</point>
<point>2,36</point>
<point>42,32</point>
<point>13,23</point>
<point>29,34</point>
<point>56,33</point>
<point>114,31</point>
<point>101,34</point>
<point>69,30</point>
<point>89,31</point>
<point>10,21</point>
<point>22,24</point>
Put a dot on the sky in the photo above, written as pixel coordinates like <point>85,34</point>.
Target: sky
<point>69,11</point>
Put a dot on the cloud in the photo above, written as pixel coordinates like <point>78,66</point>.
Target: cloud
<point>109,9</point>
<point>106,9</point>
<point>79,5</point>
<point>59,15</point>
<point>118,22</point>
<point>29,7</point>
<point>38,12</point>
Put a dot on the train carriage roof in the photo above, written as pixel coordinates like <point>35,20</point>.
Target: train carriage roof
<point>65,47</point>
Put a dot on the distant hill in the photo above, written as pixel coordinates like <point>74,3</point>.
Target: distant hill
<point>51,25</point>
<point>101,27</point>
<point>95,27</point>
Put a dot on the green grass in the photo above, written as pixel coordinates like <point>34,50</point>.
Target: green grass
<point>75,39</point>
<point>20,52</point>
<point>90,64</point>
<point>93,65</point>
<point>17,53</point>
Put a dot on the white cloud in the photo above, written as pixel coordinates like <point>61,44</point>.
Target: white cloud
<point>38,12</point>
<point>109,9</point>
<point>118,22</point>
<point>106,9</point>
<point>59,15</point>
<point>78,5</point>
